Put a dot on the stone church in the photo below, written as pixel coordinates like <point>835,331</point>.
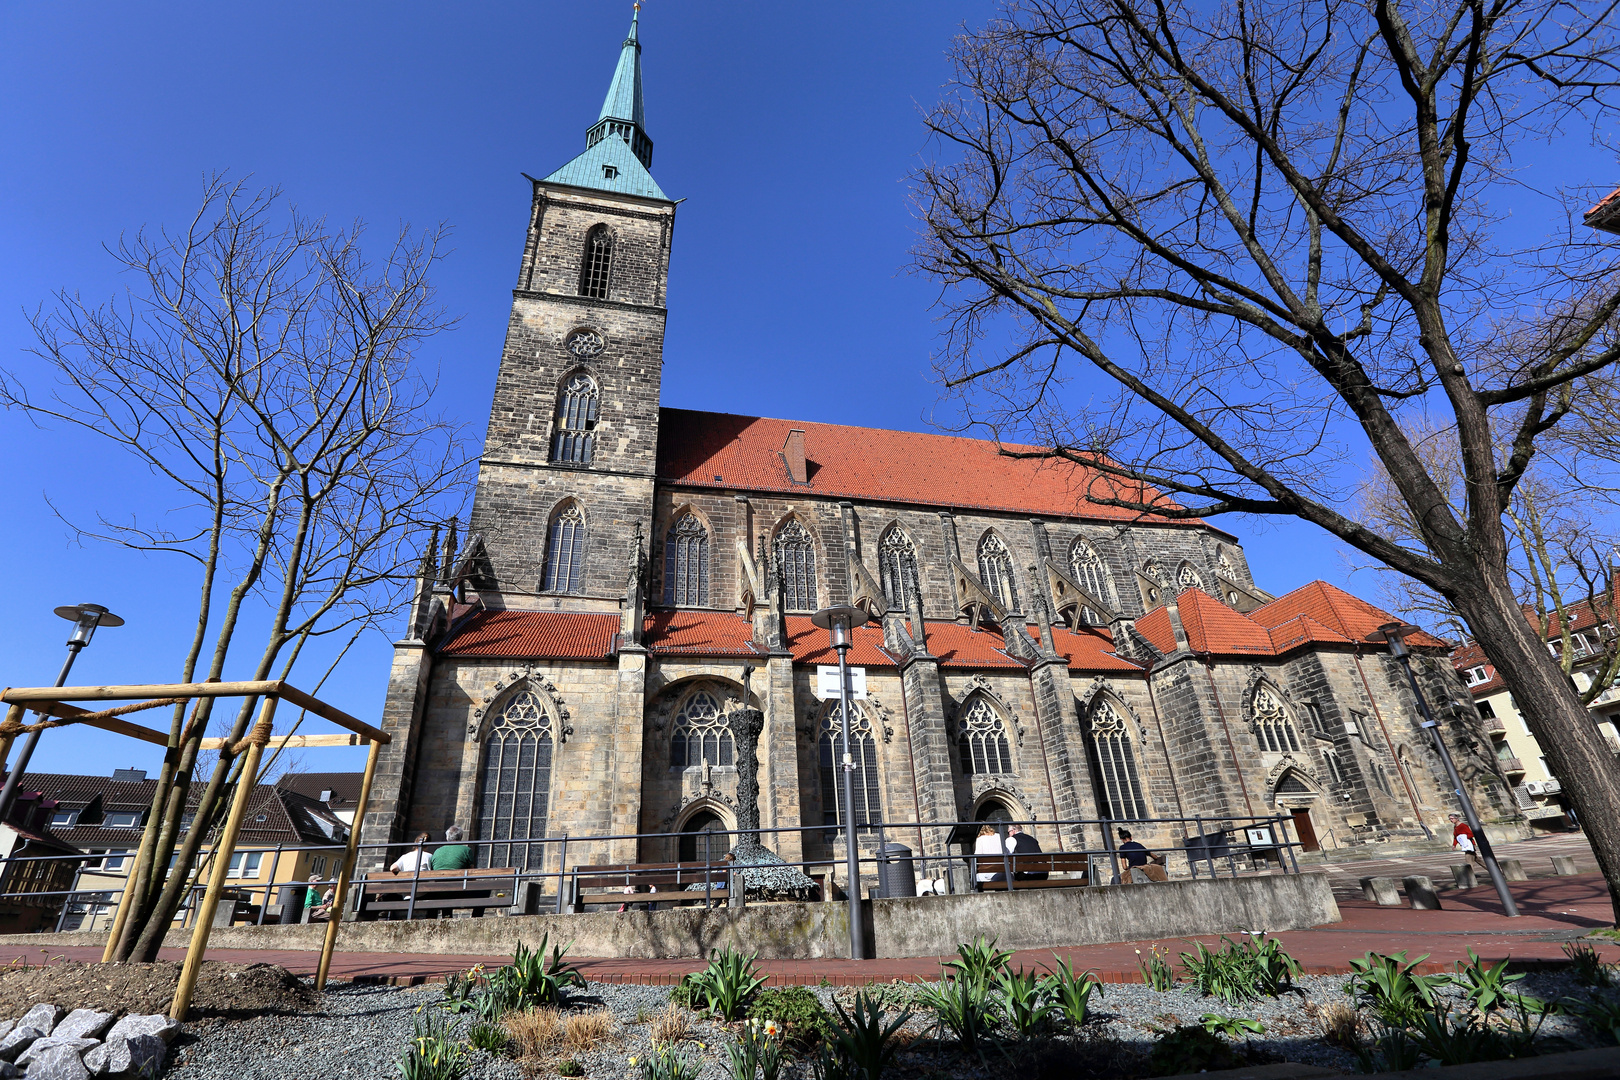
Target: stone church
<point>629,569</point>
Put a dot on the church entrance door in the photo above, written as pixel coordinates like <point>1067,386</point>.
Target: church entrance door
<point>704,839</point>
<point>1306,831</point>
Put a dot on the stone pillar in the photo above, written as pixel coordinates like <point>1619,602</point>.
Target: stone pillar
<point>629,732</point>
<point>953,550</point>
<point>781,757</point>
<point>391,788</point>
<point>930,747</point>
<point>1057,725</point>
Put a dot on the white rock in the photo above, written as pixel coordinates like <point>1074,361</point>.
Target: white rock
<point>19,1039</point>
<point>131,1056</point>
<point>6,1026</point>
<point>82,1024</point>
<point>43,1045</point>
<point>58,1063</point>
<point>43,1017</point>
<point>161,1026</point>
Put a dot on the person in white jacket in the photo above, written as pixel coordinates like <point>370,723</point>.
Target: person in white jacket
<point>407,863</point>
<point>988,850</point>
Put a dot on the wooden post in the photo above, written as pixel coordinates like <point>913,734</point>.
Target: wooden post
<point>340,898</point>
<point>14,715</point>
<point>222,861</point>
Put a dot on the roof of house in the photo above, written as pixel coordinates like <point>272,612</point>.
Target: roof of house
<point>344,786</point>
<point>1605,215</point>
<point>1582,616</point>
<point>1337,611</point>
<point>744,453</point>
<point>550,635</point>
<point>1468,655</point>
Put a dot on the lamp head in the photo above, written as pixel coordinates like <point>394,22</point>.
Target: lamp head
<point>85,618</point>
<point>839,621</point>
<point>1392,633</point>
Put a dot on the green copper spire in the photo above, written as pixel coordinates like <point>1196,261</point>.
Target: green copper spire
<point>618,152</point>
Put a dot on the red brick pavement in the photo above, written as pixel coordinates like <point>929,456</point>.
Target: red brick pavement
<point>1554,911</point>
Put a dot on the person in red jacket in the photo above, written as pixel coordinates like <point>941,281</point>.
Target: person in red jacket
<point>1462,838</point>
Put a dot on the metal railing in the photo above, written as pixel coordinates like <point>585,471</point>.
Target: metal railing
<point>1200,846</point>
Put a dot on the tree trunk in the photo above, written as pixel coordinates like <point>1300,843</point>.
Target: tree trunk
<point>1552,709</point>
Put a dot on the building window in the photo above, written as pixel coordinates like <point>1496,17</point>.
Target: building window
<point>1476,675</point>
<point>595,276</point>
<point>1188,578</point>
<point>1273,726</point>
<point>317,866</point>
<point>1380,777</point>
<point>516,784</point>
<point>701,734</point>
<point>1090,572</point>
<point>1223,565</point>
<point>565,552</point>
<point>864,785</point>
<point>1314,711</point>
<point>1485,710</point>
<point>65,819</point>
<point>796,562</point>
<point>121,819</point>
<point>1116,764</point>
<point>996,571</point>
<point>574,438</point>
<point>244,864</point>
<point>897,561</point>
<point>1335,767</point>
<point>982,740</point>
<point>686,563</point>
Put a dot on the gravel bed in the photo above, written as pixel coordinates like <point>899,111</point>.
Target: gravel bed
<point>359,1031</point>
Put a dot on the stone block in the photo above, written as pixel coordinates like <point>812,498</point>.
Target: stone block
<point>1420,890</point>
<point>1512,869</point>
<point>1463,875</point>
<point>59,1062</point>
<point>162,1027</point>
<point>1382,891</point>
<point>136,1055</point>
<point>1564,865</point>
<point>82,1024</point>
<point>42,1017</point>
<point>46,1045</point>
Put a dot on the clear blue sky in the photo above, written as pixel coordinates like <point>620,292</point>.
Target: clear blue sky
<point>788,128</point>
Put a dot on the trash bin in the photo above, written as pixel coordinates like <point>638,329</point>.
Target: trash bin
<point>897,876</point>
<point>292,903</point>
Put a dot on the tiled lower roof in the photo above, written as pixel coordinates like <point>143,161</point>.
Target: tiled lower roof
<point>539,635</point>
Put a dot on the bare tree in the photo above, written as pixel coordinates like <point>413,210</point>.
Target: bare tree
<point>1559,555</point>
<point>265,371</point>
<point>1268,232</point>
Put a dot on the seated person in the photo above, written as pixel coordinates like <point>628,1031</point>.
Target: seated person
<point>1135,855</point>
<point>454,855</point>
<point>1020,842</point>
<point>414,858</point>
<point>318,904</point>
<point>987,851</point>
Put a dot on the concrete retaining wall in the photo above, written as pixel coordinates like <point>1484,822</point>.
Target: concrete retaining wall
<point>924,926</point>
<point>1047,918</point>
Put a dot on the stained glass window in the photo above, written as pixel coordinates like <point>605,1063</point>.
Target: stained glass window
<point>565,552</point>
<point>863,750</point>
<point>897,560</point>
<point>996,571</point>
<point>1116,763</point>
<point>796,562</point>
<point>982,740</point>
<point>686,563</point>
<point>596,274</point>
<point>1273,726</point>
<point>516,784</point>
<point>701,734</point>
<point>574,438</point>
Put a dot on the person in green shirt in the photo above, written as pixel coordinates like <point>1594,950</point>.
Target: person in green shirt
<point>454,855</point>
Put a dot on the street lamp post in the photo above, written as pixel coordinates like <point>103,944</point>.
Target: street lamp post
<point>85,618</point>
<point>1392,633</point>
<point>838,622</point>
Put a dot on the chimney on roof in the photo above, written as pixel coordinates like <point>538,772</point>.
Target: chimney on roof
<point>793,457</point>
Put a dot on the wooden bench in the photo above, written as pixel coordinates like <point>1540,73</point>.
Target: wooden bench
<point>671,880</point>
<point>436,890</point>
<point>1047,862</point>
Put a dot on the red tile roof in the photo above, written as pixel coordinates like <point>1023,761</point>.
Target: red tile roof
<point>539,635</point>
<point>1605,214</point>
<point>701,633</point>
<point>1470,655</point>
<point>1212,627</point>
<point>809,644</point>
<point>744,452</point>
<point>1091,649</point>
<point>1332,607</point>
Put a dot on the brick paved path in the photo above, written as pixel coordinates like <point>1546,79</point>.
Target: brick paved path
<point>1554,911</point>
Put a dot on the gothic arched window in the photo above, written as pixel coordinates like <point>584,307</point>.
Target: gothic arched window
<point>897,562</point>
<point>574,436</point>
<point>516,783</point>
<point>1154,572</point>
<point>686,563</point>
<point>996,571</point>
<point>1188,578</point>
<point>796,562</point>
<point>701,734</point>
<point>1293,784</point>
<point>1380,777</point>
<point>595,275</point>
<point>982,740</point>
<point>1090,572</point>
<point>1273,726</point>
<point>1335,766</point>
<point>565,552</point>
<point>864,783</point>
<point>1223,565</point>
<point>1116,763</point>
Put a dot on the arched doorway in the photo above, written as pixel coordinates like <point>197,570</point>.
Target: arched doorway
<point>704,838</point>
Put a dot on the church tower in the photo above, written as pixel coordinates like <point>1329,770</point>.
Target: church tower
<point>568,465</point>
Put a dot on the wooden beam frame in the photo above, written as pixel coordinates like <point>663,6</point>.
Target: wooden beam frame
<point>53,701</point>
